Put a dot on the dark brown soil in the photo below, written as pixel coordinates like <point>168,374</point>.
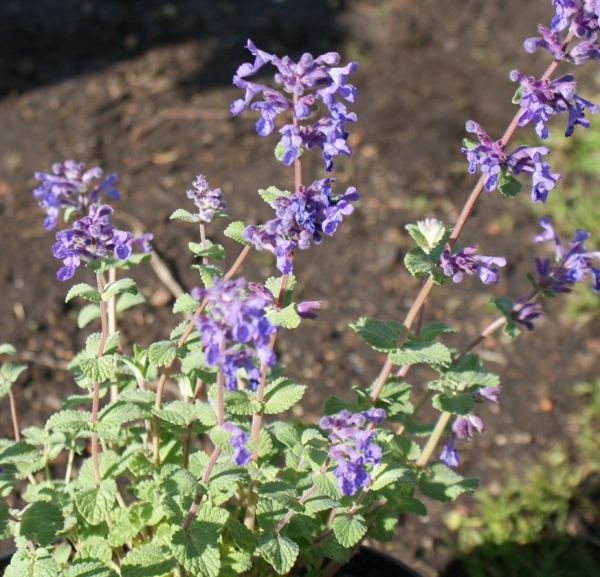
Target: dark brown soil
<point>142,88</point>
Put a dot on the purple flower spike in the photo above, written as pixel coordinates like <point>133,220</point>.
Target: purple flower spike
<point>307,81</point>
<point>571,265</point>
<point>91,237</point>
<point>351,446</point>
<point>70,186</point>
<point>564,10</point>
<point>238,440</point>
<point>540,99</point>
<point>301,219</point>
<point>463,428</point>
<point>525,314</point>
<point>491,158</point>
<point>455,265</point>
<point>209,202</point>
<point>228,325</point>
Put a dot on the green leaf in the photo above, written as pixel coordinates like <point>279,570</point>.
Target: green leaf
<point>148,560</point>
<point>288,318</point>
<point>197,551</point>
<point>273,193</point>
<point>10,371</point>
<point>413,353</point>
<point>97,369</point>
<point>279,551</point>
<point>85,291</point>
<point>430,331</point>
<point>26,564</point>
<point>379,335</point>
<point>161,353</point>
<point>413,506</point>
<point>282,394</point>
<point>349,530</point>
<point>7,349</point>
<point>320,503</point>
<point>327,484</point>
<point>128,300</point>
<point>334,405</point>
<point>241,402</point>
<point>89,569</point>
<point>469,144</point>
<point>418,262</point>
<point>94,503</point>
<point>391,473</point>
<point>274,285</point>
<point>427,234</point>
<point>43,521</point>
<point>507,184</point>
<point>98,264</point>
<point>69,420</point>
<point>206,414</point>
<point>436,253</point>
<point>454,403</point>
<point>516,99</point>
<point>87,314</point>
<point>123,285</point>
<point>214,251</point>
<point>443,484</point>
<point>208,273</point>
<point>95,549</point>
<point>182,214</point>
<point>234,231</point>
<point>92,344</point>
<point>176,413</point>
<point>185,303</point>
<point>117,413</point>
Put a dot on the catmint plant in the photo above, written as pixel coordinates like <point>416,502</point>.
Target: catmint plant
<point>221,481</point>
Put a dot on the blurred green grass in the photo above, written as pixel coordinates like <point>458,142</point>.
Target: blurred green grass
<point>546,522</point>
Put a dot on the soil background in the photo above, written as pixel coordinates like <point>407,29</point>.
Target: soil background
<point>142,88</point>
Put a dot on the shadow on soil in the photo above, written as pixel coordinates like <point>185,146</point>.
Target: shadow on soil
<point>47,41</point>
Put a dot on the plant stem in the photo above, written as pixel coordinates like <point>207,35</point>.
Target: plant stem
<point>96,397</point>
<point>458,228</point>
<point>188,438</point>
<point>112,324</point>
<point>186,333</point>
<point>70,462</point>
<point>13,415</point>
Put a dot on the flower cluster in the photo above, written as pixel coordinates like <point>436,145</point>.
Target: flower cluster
<point>466,261</point>
<point>571,265</point>
<point>302,218</point>
<point>525,313</point>
<point>304,308</point>
<point>69,186</point>
<point>238,441</point>
<point>491,158</point>
<point>351,446</point>
<point>308,80</point>
<point>91,237</point>
<point>231,322</point>
<point>540,99</point>
<point>209,202</point>
<point>581,15</point>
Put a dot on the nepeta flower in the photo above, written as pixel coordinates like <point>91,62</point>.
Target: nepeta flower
<point>301,219</point>
<point>307,81</point>
<point>351,446</point>
<point>526,313</point>
<point>230,322</point>
<point>238,440</point>
<point>69,186</point>
<point>491,158</point>
<point>487,394</point>
<point>208,201</point>
<point>466,261</point>
<point>304,308</point>
<point>564,10</point>
<point>464,427</point>
<point>571,265</point>
<point>91,237</point>
<point>550,41</point>
<point>540,99</point>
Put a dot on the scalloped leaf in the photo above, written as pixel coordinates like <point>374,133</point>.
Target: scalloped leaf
<point>161,353</point>
<point>214,251</point>
<point>280,551</point>
<point>95,503</point>
<point>97,369</point>
<point>234,231</point>
<point>443,484</point>
<point>123,285</point>
<point>182,214</point>
<point>288,318</point>
<point>148,560</point>
<point>185,303</point>
<point>379,335</point>
<point>454,403</point>
<point>430,353</point>
<point>282,394</point>
<point>85,291</point>
<point>349,530</point>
